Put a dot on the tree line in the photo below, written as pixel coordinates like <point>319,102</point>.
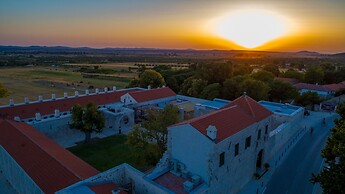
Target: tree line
<point>229,81</point>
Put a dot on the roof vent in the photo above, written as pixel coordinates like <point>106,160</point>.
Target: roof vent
<point>11,102</point>
<point>57,113</point>
<point>38,116</point>
<point>212,132</point>
<point>26,100</point>
<point>40,98</point>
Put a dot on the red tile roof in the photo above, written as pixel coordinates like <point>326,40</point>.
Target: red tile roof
<point>48,107</point>
<point>251,107</point>
<point>50,166</point>
<point>334,87</point>
<point>232,118</point>
<point>152,94</point>
<point>312,87</point>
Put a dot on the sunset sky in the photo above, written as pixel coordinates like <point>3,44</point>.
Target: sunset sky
<point>314,25</point>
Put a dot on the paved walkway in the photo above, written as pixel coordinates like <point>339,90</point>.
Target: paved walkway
<point>302,158</point>
<point>71,141</point>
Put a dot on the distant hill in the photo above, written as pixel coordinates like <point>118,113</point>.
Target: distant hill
<point>339,55</point>
<point>309,53</point>
<point>184,53</point>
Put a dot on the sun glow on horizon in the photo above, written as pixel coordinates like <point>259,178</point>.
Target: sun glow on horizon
<point>251,28</point>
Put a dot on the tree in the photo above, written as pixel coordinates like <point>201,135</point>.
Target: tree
<point>332,178</point>
<point>282,91</point>
<point>242,70</point>
<point>87,119</point>
<point>258,90</point>
<point>211,91</point>
<point>314,75</point>
<point>272,68</point>
<point>172,83</point>
<point>186,85</point>
<point>232,88</point>
<point>291,73</point>
<point>152,139</point>
<point>135,82</point>
<point>3,91</point>
<point>152,78</point>
<point>197,87</point>
<point>263,75</point>
<point>215,72</point>
<point>341,111</point>
<point>308,98</point>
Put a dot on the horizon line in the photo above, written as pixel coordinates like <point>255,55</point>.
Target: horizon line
<point>181,49</point>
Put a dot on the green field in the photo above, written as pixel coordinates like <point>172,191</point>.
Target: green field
<point>106,153</point>
<point>34,81</point>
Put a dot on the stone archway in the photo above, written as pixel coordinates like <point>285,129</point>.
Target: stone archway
<point>124,123</point>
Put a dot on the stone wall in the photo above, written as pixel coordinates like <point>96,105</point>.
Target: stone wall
<point>238,170</point>
<point>123,176</point>
<point>16,176</point>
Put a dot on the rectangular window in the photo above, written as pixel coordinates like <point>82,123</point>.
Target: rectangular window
<point>248,141</point>
<point>221,159</point>
<point>266,130</point>
<point>237,147</point>
<point>259,134</point>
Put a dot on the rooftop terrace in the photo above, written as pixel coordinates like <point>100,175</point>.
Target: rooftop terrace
<point>279,108</point>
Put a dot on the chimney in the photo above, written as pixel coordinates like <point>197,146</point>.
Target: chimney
<point>38,116</point>
<point>87,92</point>
<point>65,95</point>
<point>40,98</point>
<point>163,86</point>
<point>212,132</point>
<point>57,113</point>
<point>149,87</point>
<point>53,96</point>
<point>96,90</point>
<point>105,89</point>
<point>76,93</point>
<point>11,102</point>
<point>114,88</point>
<point>26,100</point>
<point>17,118</point>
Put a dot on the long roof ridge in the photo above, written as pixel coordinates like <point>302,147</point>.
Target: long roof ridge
<point>44,150</point>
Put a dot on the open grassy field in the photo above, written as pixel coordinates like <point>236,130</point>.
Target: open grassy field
<point>109,152</point>
<point>33,81</point>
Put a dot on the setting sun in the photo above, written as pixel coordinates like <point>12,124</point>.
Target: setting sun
<point>251,28</point>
